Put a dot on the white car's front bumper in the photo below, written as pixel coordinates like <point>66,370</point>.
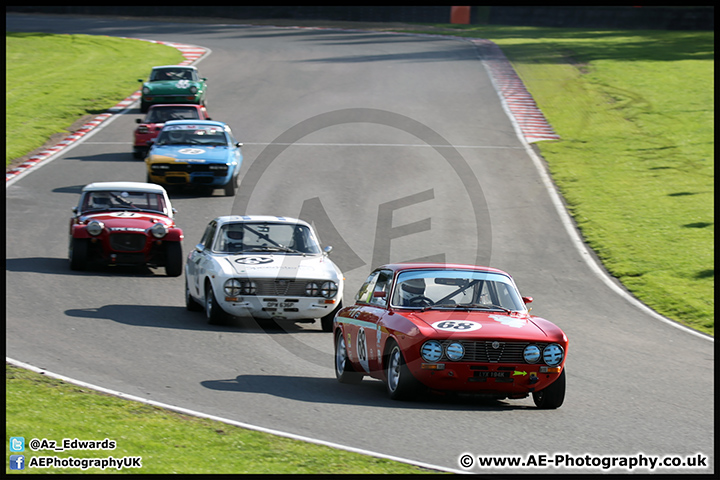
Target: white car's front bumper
<point>291,308</point>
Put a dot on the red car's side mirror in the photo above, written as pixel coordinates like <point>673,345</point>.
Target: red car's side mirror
<point>527,299</point>
<point>380,294</point>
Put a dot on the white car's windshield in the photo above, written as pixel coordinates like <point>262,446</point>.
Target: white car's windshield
<point>265,237</point>
<point>456,289</point>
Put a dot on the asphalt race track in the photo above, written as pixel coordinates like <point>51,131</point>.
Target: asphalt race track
<point>398,148</point>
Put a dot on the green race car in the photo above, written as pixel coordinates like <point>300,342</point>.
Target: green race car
<point>173,84</point>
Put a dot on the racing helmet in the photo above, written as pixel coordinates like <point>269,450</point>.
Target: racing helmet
<point>176,136</point>
<point>410,289</point>
<point>100,200</point>
<point>232,237</point>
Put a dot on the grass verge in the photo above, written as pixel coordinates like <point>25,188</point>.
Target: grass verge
<point>53,80</point>
<point>166,441</point>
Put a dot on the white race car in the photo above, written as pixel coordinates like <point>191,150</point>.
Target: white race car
<point>262,267</point>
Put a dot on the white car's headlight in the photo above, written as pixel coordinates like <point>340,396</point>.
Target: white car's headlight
<point>312,289</point>
<point>159,230</point>
<point>531,354</point>
<point>95,228</point>
<point>431,351</point>
<point>455,351</point>
<point>328,289</point>
<point>249,288</point>
<point>553,354</point>
<point>233,287</point>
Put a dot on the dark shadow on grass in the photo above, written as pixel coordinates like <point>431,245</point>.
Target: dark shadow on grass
<point>699,225</point>
<point>710,273</point>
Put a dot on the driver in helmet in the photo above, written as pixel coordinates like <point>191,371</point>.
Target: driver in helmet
<point>233,238</point>
<point>412,291</point>
<point>176,136</point>
<point>101,200</point>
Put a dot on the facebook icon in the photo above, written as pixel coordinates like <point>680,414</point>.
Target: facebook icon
<point>17,462</point>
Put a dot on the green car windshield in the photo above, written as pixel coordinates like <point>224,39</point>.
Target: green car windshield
<point>170,74</point>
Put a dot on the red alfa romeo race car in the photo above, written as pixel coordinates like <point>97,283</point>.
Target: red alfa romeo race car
<point>149,127</point>
<point>449,327</point>
<point>125,223</point>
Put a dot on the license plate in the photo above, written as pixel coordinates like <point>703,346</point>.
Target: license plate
<point>493,374</point>
<point>280,304</point>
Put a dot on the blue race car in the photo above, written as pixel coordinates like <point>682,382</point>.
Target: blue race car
<point>195,152</point>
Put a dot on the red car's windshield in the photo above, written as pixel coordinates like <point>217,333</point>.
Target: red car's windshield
<point>162,115</point>
<point>456,288</point>
<point>121,200</point>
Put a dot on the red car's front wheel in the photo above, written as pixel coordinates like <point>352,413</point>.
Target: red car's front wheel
<point>78,253</point>
<point>551,396</point>
<point>400,383</point>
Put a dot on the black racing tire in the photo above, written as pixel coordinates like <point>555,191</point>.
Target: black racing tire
<point>173,259</point>
<point>552,396</point>
<point>344,372</point>
<point>79,253</point>
<point>399,382</point>
<point>231,187</point>
<point>213,311</point>
<point>190,303</point>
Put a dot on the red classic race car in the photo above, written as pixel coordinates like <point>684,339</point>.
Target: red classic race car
<point>149,127</point>
<point>448,327</point>
<point>125,223</point>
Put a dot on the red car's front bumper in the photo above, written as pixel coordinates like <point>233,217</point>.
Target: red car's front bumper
<point>494,379</point>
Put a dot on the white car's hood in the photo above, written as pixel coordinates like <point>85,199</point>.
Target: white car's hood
<point>261,265</point>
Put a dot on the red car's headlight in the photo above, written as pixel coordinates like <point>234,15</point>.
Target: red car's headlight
<point>159,230</point>
<point>431,351</point>
<point>95,228</point>
<point>553,354</point>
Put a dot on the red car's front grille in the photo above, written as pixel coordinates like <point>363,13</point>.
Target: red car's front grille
<point>127,242</point>
<point>494,352</point>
